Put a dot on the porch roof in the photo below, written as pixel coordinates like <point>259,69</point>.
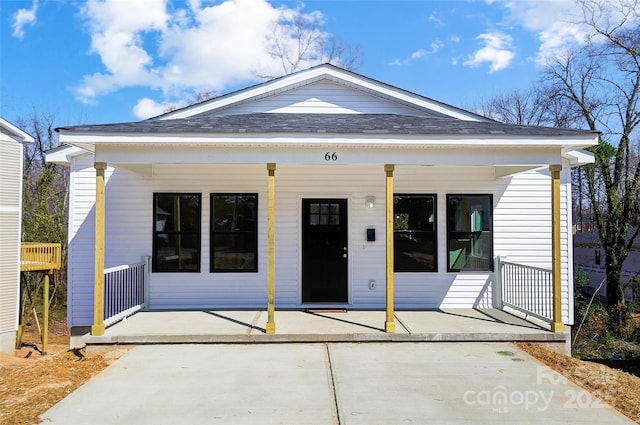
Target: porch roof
<point>285,123</point>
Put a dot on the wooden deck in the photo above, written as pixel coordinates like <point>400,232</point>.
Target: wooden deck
<point>35,256</point>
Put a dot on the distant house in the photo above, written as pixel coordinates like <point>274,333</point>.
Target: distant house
<point>589,257</point>
<point>323,188</point>
<point>12,140</point>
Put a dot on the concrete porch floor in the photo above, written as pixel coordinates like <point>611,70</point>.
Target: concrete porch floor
<point>247,326</point>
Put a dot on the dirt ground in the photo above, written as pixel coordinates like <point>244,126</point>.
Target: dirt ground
<point>30,383</point>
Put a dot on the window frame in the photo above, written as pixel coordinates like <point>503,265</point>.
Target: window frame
<point>212,233</point>
<point>450,233</point>
<point>154,256</point>
<point>434,196</point>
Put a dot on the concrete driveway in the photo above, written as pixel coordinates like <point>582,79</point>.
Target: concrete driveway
<point>330,383</point>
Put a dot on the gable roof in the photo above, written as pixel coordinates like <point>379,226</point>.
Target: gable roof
<point>297,104</point>
<point>317,73</point>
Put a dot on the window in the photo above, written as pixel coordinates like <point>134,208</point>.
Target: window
<point>414,233</point>
<point>324,217</point>
<point>469,233</point>
<point>176,232</point>
<point>234,232</point>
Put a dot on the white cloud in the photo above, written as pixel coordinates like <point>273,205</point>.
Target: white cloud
<point>147,108</point>
<point>498,52</point>
<point>117,34</point>
<point>436,20</point>
<point>418,54</point>
<point>201,46</point>
<point>24,17</point>
<point>555,23</point>
<point>435,47</point>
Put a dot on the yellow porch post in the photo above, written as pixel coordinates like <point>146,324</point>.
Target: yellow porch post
<point>389,324</point>
<point>556,324</point>
<point>98,279</point>
<point>271,251</point>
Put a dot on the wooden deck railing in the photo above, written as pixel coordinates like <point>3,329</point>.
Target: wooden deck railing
<point>125,290</point>
<point>526,289</point>
<point>35,256</point>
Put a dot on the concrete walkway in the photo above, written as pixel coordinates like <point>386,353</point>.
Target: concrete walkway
<point>328,383</point>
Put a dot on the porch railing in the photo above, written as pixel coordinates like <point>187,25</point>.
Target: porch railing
<point>126,290</point>
<point>526,289</point>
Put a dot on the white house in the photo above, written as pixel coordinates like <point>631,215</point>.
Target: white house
<point>589,257</point>
<point>323,188</point>
<point>11,163</point>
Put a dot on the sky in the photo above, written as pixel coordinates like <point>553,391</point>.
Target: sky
<point>101,61</point>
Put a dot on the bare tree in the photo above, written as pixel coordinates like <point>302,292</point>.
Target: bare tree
<point>603,81</point>
<point>45,189</point>
<point>597,86</point>
<point>535,106</point>
<point>298,41</point>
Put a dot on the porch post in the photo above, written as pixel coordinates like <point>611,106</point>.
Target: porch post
<point>98,278</point>
<point>389,324</point>
<point>556,324</point>
<point>271,252</point>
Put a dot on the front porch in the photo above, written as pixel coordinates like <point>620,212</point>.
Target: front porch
<point>247,326</point>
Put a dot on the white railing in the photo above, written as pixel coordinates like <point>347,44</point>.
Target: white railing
<point>526,289</point>
<point>126,290</point>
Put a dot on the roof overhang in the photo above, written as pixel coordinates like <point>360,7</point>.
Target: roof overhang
<point>578,157</point>
<point>10,132</point>
<point>63,154</point>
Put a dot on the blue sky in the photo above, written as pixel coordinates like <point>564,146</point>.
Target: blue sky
<point>123,60</point>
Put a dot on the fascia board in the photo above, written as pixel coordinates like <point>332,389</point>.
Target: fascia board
<point>90,139</point>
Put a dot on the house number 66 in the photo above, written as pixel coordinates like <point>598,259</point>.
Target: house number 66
<point>331,156</point>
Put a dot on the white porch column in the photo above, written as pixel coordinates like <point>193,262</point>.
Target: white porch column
<point>389,324</point>
<point>98,279</point>
<point>556,324</point>
<point>271,251</point>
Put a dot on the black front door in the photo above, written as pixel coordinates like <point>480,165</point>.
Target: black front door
<point>324,251</point>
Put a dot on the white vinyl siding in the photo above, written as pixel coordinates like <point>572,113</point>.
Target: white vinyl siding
<point>10,211</point>
<point>324,97</point>
<point>522,231</point>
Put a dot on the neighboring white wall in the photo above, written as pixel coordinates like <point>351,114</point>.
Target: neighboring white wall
<point>585,247</point>
<point>10,220</point>
<point>522,231</point>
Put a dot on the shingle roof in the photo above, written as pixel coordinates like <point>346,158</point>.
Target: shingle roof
<point>278,123</point>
